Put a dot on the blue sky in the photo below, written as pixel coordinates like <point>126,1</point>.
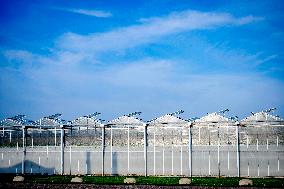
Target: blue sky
<point>115,57</point>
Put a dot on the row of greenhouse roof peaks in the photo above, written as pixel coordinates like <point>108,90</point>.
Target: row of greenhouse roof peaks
<point>132,118</point>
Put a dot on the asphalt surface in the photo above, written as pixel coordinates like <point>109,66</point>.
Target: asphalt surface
<point>92,186</point>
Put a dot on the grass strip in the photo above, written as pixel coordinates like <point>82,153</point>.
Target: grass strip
<point>150,180</point>
<point>116,180</point>
<point>157,180</point>
<point>207,181</point>
<point>46,179</point>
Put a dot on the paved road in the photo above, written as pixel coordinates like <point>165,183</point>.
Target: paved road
<point>92,186</point>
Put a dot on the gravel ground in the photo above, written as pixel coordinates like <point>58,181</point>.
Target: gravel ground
<point>91,186</point>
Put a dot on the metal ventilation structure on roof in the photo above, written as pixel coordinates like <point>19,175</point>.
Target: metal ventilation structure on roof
<point>169,119</point>
<point>264,117</point>
<point>215,117</point>
<point>87,121</point>
<point>128,119</point>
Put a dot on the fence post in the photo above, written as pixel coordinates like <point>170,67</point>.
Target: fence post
<point>128,146</point>
<point>70,159</point>
<point>10,137</point>
<point>238,148</point>
<point>190,150</point>
<point>111,153</point>
<point>154,151</point>
<point>24,149</point>
<point>62,149</point>
<point>181,152</point>
<point>103,148</point>
<point>218,152</point>
<point>55,136</point>
<point>145,148</point>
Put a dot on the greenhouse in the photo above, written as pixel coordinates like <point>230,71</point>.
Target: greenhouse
<point>169,145</point>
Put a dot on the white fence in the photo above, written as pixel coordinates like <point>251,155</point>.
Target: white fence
<point>182,150</point>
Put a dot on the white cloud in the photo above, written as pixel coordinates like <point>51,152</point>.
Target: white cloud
<point>75,48</point>
<point>96,13</point>
<point>248,19</point>
<point>149,85</point>
<point>148,30</point>
<point>267,59</point>
<point>24,56</point>
<point>152,86</point>
<point>88,12</point>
